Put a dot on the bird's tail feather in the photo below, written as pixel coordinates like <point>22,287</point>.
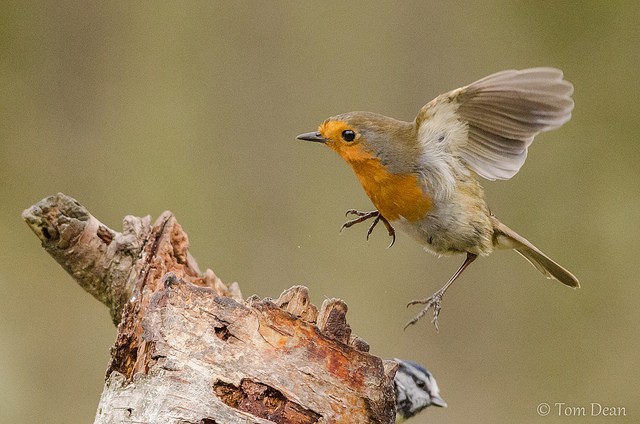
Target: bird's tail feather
<point>506,237</point>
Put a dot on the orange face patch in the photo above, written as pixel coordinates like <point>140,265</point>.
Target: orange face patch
<point>332,130</point>
<point>394,195</point>
<point>349,150</point>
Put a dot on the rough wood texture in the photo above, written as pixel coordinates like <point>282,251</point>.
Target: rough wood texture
<point>190,350</point>
<point>101,260</point>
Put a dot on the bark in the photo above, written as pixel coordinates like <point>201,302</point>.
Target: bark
<point>189,348</point>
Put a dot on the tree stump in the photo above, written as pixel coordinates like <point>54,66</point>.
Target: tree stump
<point>190,349</point>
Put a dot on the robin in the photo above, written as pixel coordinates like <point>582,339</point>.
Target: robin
<point>422,176</point>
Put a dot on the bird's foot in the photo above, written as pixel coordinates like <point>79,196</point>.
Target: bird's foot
<point>363,216</point>
<point>430,302</point>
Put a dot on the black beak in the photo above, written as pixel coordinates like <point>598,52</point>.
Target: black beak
<point>312,136</point>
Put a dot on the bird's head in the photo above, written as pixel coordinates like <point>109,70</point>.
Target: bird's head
<point>361,136</point>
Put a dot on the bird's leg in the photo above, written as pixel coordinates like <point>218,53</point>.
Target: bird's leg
<point>363,216</point>
<point>434,300</point>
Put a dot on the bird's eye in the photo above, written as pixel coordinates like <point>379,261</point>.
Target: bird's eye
<point>348,135</point>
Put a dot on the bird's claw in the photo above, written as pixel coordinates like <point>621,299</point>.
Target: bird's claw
<point>434,302</point>
<point>363,216</point>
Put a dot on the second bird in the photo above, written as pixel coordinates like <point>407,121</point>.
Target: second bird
<point>422,176</point>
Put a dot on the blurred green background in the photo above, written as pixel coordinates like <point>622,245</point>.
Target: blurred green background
<point>135,108</point>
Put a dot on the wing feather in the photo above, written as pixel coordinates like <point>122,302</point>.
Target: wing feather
<point>503,113</point>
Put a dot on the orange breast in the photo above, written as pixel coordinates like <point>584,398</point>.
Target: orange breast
<point>394,195</point>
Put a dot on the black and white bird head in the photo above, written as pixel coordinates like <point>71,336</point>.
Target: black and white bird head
<point>416,389</point>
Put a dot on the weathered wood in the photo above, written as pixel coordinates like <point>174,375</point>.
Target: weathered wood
<point>102,261</point>
<point>190,350</point>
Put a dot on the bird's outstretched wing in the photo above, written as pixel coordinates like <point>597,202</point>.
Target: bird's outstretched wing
<point>498,118</point>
